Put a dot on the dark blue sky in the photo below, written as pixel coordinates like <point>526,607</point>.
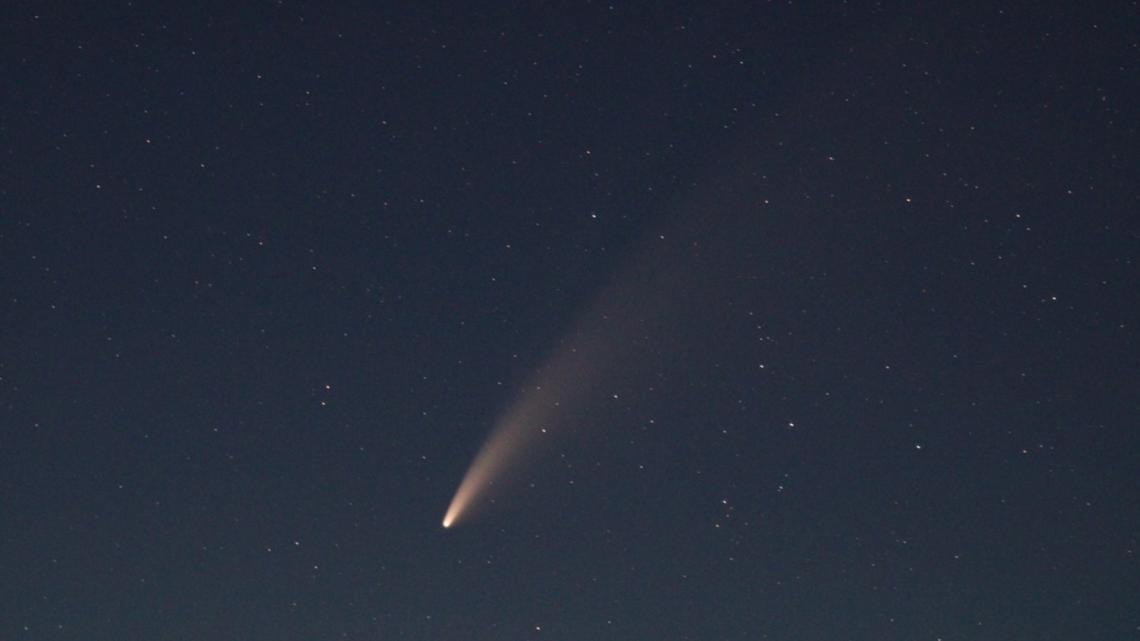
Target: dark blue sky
<point>858,285</point>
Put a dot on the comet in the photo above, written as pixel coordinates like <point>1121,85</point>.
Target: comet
<point>659,312</point>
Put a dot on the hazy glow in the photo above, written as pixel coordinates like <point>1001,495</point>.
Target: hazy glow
<point>636,324</point>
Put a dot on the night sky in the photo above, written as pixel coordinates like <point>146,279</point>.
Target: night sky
<point>833,310</point>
